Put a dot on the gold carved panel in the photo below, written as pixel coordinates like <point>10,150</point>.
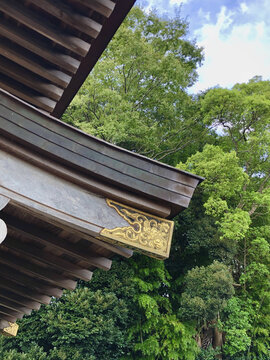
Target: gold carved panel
<point>11,330</point>
<point>146,233</point>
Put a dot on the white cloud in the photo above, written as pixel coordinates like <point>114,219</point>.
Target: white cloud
<point>244,7</point>
<point>204,15</point>
<point>233,52</point>
<point>178,2</point>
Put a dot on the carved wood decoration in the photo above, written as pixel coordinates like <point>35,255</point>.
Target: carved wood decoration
<point>146,233</point>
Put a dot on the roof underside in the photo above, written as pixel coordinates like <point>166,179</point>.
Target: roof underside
<point>39,259</point>
<point>47,47</point>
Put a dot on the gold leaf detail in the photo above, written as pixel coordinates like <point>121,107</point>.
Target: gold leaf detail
<point>147,233</point>
<point>11,330</point>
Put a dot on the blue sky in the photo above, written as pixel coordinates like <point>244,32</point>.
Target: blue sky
<point>235,35</point>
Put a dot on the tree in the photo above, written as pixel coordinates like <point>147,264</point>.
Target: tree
<point>136,95</point>
<point>207,290</point>
<point>236,195</point>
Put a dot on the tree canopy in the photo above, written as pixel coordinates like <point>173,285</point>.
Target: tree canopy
<point>211,298</point>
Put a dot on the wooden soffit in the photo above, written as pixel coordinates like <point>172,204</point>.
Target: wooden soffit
<point>48,47</point>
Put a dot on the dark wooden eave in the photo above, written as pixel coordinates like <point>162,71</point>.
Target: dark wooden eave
<point>117,173</point>
<point>55,182</point>
<point>47,47</point>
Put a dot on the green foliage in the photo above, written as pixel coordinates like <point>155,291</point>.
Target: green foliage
<point>136,95</point>
<point>33,353</point>
<point>207,290</point>
<point>159,333</point>
<point>76,326</point>
<point>215,287</point>
<point>237,327</point>
<point>207,354</point>
<point>235,195</point>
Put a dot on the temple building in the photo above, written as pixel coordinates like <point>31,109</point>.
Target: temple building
<point>68,201</point>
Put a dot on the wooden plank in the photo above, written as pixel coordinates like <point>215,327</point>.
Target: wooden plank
<point>37,23</point>
<point>87,183</point>
<point>54,242</point>
<point>36,271</point>
<point>68,16</point>
<point>19,300</point>
<point>21,57</point>
<point>3,201</point>
<point>38,47</point>
<point>13,306</point>
<point>23,292</point>
<point>33,252</point>
<point>8,318</point>
<point>69,155</point>
<point>10,273</point>
<point>4,324</point>
<point>6,311</point>
<point>28,79</point>
<point>39,101</point>
<point>103,7</point>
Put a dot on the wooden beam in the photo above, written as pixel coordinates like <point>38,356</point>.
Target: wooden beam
<point>15,314</point>
<point>20,300</point>
<point>10,273</point>
<point>3,324</point>
<point>8,318</point>
<point>54,242</point>
<point>67,15</point>
<point>103,7</point>
<point>38,47</point>
<point>3,202</point>
<point>27,78</point>
<point>13,306</point>
<point>34,270</point>
<point>39,101</point>
<point>21,57</point>
<point>37,23</point>
<point>23,292</point>
<point>33,252</point>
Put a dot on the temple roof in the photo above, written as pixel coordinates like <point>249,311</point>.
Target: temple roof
<point>68,201</point>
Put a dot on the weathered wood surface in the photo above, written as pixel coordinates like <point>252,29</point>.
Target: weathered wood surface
<point>57,224</point>
<point>62,41</point>
<point>95,158</point>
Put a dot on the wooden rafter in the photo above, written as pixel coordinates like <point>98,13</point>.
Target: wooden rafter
<point>39,47</point>
<point>20,300</point>
<point>20,56</point>
<point>104,7</point>
<point>63,12</point>
<point>14,306</point>
<point>33,252</point>
<point>36,22</point>
<point>23,291</point>
<point>49,47</point>
<point>9,273</point>
<point>26,78</point>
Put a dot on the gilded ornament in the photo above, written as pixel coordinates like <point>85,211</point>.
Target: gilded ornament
<point>147,233</point>
<point>11,330</point>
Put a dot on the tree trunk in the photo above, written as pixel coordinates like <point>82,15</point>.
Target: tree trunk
<point>217,340</point>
